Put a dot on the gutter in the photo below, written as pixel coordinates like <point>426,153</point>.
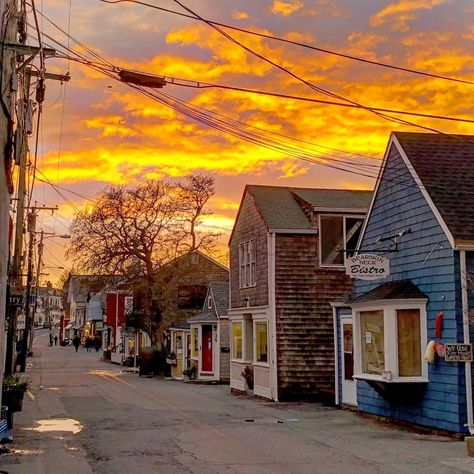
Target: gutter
<point>465,323</point>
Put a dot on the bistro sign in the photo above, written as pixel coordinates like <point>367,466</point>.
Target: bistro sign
<point>367,266</point>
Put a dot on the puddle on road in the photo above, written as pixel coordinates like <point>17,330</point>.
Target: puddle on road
<point>103,373</point>
<point>57,424</point>
<point>26,452</point>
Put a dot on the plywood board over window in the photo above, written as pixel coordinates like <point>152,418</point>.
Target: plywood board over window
<point>409,342</point>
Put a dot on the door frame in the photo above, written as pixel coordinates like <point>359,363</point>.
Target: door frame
<point>209,373</point>
<point>352,392</point>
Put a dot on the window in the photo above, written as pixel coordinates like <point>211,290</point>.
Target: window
<point>237,340</point>
<point>261,342</point>
<point>209,302</point>
<point>372,342</point>
<point>409,342</point>
<point>194,342</point>
<point>390,341</point>
<point>338,238</point>
<point>247,263</point>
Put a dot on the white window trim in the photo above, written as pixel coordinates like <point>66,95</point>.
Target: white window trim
<point>241,244</point>
<point>389,308</point>
<point>209,302</point>
<point>232,358</point>
<point>255,362</point>
<point>344,217</point>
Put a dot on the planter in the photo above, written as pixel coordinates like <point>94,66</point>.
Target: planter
<point>12,397</point>
<point>171,361</point>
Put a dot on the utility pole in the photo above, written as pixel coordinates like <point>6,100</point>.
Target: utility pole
<point>29,278</point>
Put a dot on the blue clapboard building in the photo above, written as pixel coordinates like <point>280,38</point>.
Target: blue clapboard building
<point>391,332</point>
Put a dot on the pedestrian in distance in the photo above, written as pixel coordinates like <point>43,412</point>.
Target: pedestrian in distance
<point>97,343</point>
<point>50,340</point>
<point>88,344</point>
<point>76,342</point>
<point>56,340</point>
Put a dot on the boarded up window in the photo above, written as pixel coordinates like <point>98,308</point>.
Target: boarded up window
<point>372,342</point>
<point>409,342</point>
<point>237,340</point>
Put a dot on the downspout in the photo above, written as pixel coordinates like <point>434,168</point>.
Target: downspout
<point>272,305</point>
<point>336,358</point>
<point>467,340</point>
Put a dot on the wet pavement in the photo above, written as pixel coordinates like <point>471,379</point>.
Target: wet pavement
<point>84,415</point>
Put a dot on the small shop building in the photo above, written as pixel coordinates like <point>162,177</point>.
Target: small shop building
<point>403,337</point>
<point>287,252</point>
<point>210,346</point>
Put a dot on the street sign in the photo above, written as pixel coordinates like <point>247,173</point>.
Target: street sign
<point>16,300</point>
<point>458,352</point>
<point>367,266</point>
<point>21,322</point>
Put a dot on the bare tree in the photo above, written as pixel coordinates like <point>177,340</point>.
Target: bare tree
<point>132,231</point>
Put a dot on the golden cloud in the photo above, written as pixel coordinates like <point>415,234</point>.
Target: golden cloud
<point>280,7</point>
<point>239,15</point>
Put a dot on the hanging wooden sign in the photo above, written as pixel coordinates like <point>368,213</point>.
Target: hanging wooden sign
<point>458,352</point>
<point>367,267</point>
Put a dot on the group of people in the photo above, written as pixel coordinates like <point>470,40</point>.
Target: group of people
<point>90,342</point>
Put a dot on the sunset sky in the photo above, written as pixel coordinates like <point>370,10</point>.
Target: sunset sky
<point>98,131</point>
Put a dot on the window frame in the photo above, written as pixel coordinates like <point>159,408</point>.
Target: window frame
<point>241,322</point>
<point>344,216</point>
<point>254,328</point>
<point>245,265</point>
<point>391,362</point>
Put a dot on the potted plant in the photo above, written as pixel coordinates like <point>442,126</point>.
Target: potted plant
<point>171,358</point>
<point>189,373</point>
<point>13,391</point>
<point>247,374</point>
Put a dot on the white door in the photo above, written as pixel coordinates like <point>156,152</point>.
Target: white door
<point>349,392</point>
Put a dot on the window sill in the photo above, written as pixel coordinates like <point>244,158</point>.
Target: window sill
<point>249,286</point>
<point>378,378</point>
<point>261,364</point>
<point>241,361</point>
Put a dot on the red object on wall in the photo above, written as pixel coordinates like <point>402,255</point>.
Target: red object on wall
<point>115,319</point>
<point>439,324</point>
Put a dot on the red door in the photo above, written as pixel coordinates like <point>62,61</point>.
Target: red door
<point>207,348</point>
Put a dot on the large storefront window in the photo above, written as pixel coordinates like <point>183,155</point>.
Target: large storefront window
<point>237,340</point>
<point>261,342</point>
<point>391,340</point>
<point>372,342</point>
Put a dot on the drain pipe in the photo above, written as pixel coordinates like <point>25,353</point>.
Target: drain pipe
<point>467,340</point>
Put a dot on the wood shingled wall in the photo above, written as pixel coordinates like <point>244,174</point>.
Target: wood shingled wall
<point>305,339</point>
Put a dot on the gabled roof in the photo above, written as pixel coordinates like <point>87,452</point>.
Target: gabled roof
<point>445,167</point>
<point>394,290</point>
<point>280,209</point>
<point>219,292</point>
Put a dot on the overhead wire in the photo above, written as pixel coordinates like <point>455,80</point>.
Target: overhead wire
<point>298,43</point>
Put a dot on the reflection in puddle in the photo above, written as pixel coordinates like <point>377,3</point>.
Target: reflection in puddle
<point>103,373</point>
<point>26,451</point>
<point>53,389</point>
<point>57,424</point>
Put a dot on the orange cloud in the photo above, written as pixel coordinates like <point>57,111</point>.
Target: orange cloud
<point>238,15</point>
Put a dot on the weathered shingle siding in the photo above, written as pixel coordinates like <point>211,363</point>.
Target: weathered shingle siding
<point>224,357</point>
<point>305,334</point>
<point>249,225</point>
<point>399,204</point>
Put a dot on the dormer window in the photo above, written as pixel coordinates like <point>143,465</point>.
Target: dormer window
<point>247,263</point>
<point>338,236</point>
<point>209,302</point>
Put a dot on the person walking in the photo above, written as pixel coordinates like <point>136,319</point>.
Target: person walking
<point>97,342</point>
<point>76,342</point>
<point>56,340</point>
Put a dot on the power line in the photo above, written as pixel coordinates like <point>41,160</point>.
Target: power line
<point>297,43</point>
<point>299,78</point>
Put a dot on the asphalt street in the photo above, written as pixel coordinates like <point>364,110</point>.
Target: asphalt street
<point>84,415</point>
